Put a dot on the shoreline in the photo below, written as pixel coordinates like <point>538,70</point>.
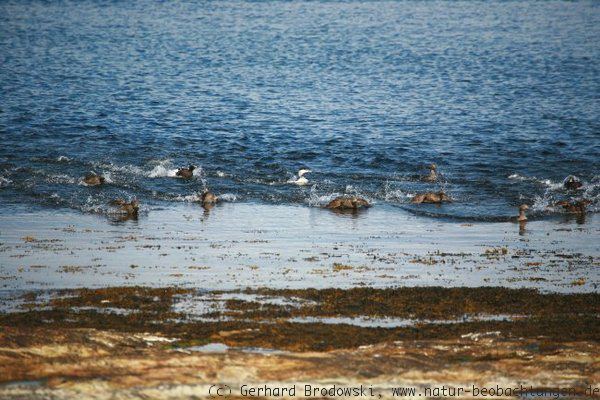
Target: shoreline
<point>234,246</point>
<point>182,299</point>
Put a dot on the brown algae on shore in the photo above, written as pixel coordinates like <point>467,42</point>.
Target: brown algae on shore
<point>138,338</point>
<point>111,363</point>
<point>311,319</point>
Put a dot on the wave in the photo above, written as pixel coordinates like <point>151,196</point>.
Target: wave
<point>161,171</point>
<point>60,179</point>
<point>393,194</point>
<point>126,169</point>
<point>544,203</point>
<point>316,199</point>
<point>47,182</point>
<point>545,182</point>
<point>197,197</point>
<point>5,182</point>
<point>165,169</point>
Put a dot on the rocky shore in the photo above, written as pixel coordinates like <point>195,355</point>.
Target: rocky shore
<point>139,342</point>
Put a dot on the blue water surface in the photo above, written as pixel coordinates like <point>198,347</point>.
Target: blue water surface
<point>503,96</point>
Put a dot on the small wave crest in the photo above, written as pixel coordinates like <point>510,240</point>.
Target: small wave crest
<point>229,197</point>
<point>160,171</point>
<point>545,182</point>
<point>545,203</point>
<point>197,197</point>
<point>165,169</point>
<point>60,179</point>
<point>4,182</point>
<point>120,169</point>
<point>395,194</point>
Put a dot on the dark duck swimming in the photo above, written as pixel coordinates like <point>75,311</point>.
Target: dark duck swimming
<point>574,207</point>
<point>130,208</point>
<point>94,180</point>
<point>572,183</point>
<point>208,198</point>
<point>431,197</point>
<point>186,173</point>
<point>432,177</point>
<point>348,203</point>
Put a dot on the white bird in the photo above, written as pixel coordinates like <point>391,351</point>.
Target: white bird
<point>301,180</point>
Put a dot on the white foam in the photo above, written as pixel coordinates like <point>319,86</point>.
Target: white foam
<point>392,194</point>
<point>542,203</point>
<point>61,178</point>
<point>190,198</point>
<point>108,177</point>
<point>63,159</point>
<point>517,177</point>
<point>546,182</point>
<point>165,169</point>
<point>319,200</point>
<point>161,171</point>
<point>128,169</point>
<point>4,182</point>
<point>230,197</point>
<point>197,197</point>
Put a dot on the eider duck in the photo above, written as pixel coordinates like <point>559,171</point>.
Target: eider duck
<point>572,183</point>
<point>347,203</point>
<point>208,198</point>
<point>186,173</point>
<point>130,208</point>
<point>522,208</point>
<point>93,180</point>
<point>301,180</point>
<point>431,197</point>
<point>432,177</point>
<point>575,207</point>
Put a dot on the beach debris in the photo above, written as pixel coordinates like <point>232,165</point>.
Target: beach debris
<point>341,267</point>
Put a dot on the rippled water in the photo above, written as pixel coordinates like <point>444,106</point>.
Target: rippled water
<point>504,97</point>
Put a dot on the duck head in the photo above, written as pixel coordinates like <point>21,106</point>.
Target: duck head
<point>444,196</point>
<point>572,182</point>
<point>522,209</point>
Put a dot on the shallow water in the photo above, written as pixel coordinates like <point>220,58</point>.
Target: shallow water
<point>502,96</point>
<point>241,245</point>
